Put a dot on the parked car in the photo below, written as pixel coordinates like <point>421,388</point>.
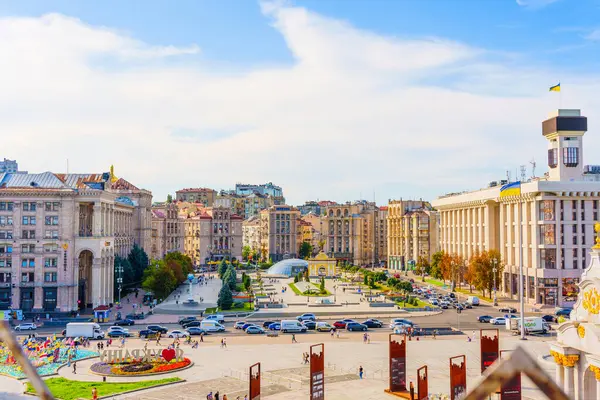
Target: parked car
<point>484,318</point>
<point>549,318</point>
<point>145,333</point>
<point>246,325</point>
<point>186,320</point>
<point>403,321</point>
<point>324,327</point>
<point>135,316</point>
<point>26,327</point>
<point>498,321</point>
<point>339,325</point>
<point>310,325</point>
<point>117,331</point>
<point>355,326</point>
<point>239,324</point>
<point>467,305</point>
<point>564,312</point>
<point>307,317</point>
<point>178,334</point>
<point>220,318</point>
<point>195,331</point>
<point>275,326</point>
<point>254,329</point>
<point>157,328</point>
<point>192,324</point>
<point>373,323</point>
<point>507,310</point>
<point>459,307</point>
<point>444,305</point>
<point>452,295</point>
<point>125,322</point>
<point>267,323</point>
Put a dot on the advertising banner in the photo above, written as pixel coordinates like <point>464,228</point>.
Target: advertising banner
<point>458,377</point>
<point>317,372</point>
<point>490,347</point>
<point>512,389</point>
<point>397,363</point>
<point>422,385</point>
<point>255,382</point>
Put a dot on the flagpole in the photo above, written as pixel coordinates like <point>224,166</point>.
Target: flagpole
<point>521,285</point>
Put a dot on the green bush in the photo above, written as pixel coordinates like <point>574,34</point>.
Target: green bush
<point>225,300</point>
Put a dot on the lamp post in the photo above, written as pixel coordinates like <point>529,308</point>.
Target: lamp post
<point>120,280</point>
<point>494,270</point>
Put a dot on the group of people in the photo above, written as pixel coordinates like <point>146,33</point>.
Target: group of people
<point>217,396</point>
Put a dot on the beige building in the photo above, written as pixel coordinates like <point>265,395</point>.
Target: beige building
<point>251,234</point>
<point>353,233</point>
<point>167,230</point>
<point>399,234</point>
<point>204,196</point>
<point>59,234</point>
<point>381,231</point>
<point>280,232</point>
<point>557,213</point>
<point>191,238</point>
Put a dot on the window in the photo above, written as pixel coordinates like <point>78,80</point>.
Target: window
<point>28,234</point>
<point>574,239</point>
<point>570,156</point>
<point>2,206</point>
<point>29,206</point>
<point>28,263</point>
<point>547,210</point>
<point>5,277</point>
<point>28,221</point>
<point>574,229</point>
<point>50,262</point>
<point>547,232</point>
<point>552,158</point>
<point>50,248</point>
<point>51,220</point>
<point>51,235</point>
<point>27,248</point>
<point>5,249</point>
<point>27,277</point>
<point>50,276</point>
<point>6,234</point>
<point>52,206</point>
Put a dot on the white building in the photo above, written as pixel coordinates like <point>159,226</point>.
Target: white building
<point>557,213</point>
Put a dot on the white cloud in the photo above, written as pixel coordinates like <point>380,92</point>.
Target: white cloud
<point>356,111</point>
<point>535,4</point>
<point>593,35</point>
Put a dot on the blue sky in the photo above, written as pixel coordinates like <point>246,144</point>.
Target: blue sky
<point>330,99</point>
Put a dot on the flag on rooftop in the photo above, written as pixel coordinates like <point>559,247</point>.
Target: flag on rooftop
<point>511,189</point>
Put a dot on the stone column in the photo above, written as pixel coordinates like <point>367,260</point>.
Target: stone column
<point>96,221</point>
<point>560,375</point>
<point>95,284</point>
<point>597,387</point>
<point>569,384</point>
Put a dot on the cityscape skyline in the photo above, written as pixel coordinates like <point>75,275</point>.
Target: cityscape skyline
<point>357,119</point>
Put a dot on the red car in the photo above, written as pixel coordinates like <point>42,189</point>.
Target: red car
<point>342,324</point>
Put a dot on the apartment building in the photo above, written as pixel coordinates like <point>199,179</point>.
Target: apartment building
<point>556,214</point>
<point>280,232</point>
<point>167,230</point>
<point>204,196</point>
<point>251,233</point>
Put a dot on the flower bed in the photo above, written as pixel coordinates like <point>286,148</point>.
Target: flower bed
<point>138,368</point>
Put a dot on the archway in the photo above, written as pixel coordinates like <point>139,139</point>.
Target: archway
<point>84,299</point>
<point>589,385</point>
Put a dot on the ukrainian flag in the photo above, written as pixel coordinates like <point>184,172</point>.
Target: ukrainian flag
<point>555,88</point>
<point>511,189</point>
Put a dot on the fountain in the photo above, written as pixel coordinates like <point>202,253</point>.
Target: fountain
<point>190,300</point>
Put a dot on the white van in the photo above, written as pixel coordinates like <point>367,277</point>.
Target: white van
<point>292,325</point>
<point>212,326</point>
<point>220,318</point>
<point>473,300</point>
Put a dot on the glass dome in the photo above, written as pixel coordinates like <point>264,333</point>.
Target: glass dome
<point>289,267</point>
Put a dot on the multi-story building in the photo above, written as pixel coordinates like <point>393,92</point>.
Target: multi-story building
<point>234,202</point>
<point>251,234</point>
<point>59,234</point>
<point>254,203</point>
<point>9,166</point>
<point>204,196</point>
<point>419,235</point>
<point>167,230</point>
<point>352,232</point>
<point>316,230</point>
<point>397,231</point>
<point>191,237</point>
<point>556,214</point>
<point>280,232</point>
<point>267,189</point>
<point>381,232</point>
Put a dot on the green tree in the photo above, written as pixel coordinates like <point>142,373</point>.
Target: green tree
<point>231,278</point>
<point>371,280</point>
<point>436,265</point>
<point>365,279</point>
<point>187,266</point>
<point>422,266</point>
<point>305,250</point>
<point>322,286</point>
<point>225,300</point>
<point>295,278</point>
<point>222,269</point>
<point>159,279</point>
<point>246,250</point>
<point>139,262</point>
<point>169,198</point>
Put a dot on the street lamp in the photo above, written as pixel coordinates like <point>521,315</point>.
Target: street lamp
<point>120,280</point>
<point>494,270</point>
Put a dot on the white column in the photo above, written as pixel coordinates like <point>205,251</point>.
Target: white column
<point>569,387</point>
<point>597,387</point>
<point>96,221</point>
<point>95,284</point>
<point>560,375</point>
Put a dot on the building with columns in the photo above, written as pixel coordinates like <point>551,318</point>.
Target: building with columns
<point>556,213</point>
<point>167,230</point>
<point>251,234</point>
<point>59,234</point>
<point>399,231</point>
<point>576,351</point>
<point>280,232</point>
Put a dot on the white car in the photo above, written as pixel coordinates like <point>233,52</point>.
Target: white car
<point>498,321</point>
<point>178,334</point>
<point>26,327</point>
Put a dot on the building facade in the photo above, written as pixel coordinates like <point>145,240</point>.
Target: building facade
<point>59,234</point>
<point>167,231</point>
<point>280,232</point>
<point>251,234</point>
<point>191,238</point>
<point>397,231</point>
<point>204,196</point>
<point>556,214</point>
<point>9,166</point>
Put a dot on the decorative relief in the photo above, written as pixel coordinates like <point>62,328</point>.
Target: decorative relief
<point>596,371</point>
<point>591,301</point>
<point>564,360</point>
<point>581,331</point>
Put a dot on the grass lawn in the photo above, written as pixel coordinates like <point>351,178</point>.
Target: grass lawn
<point>66,389</point>
<point>421,304</point>
<point>299,293</point>
<point>475,293</point>
<point>434,282</point>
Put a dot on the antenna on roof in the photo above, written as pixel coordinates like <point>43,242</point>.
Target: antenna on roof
<point>532,162</point>
<point>508,176</point>
<point>523,173</point>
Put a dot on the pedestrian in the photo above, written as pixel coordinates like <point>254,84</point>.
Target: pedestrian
<point>360,372</point>
<point>365,338</point>
<point>474,337</point>
<point>224,342</point>
<point>225,397</point>
<point>434,333</point>
<point>217,395</point>
<point>94,393</point>
<point>123,342</point>
<point>369,338</point>
<point>294,338</point>
<point>332,331</point>
<point>209,396</point>
<point>75,368</point>
<point>202,336</point>
<point>337,333</point>
<point>158,339</point>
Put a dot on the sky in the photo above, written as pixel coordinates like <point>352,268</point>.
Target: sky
<point>330,99</point>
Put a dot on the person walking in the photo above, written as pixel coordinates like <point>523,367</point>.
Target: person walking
<point>225,397</point>
<point>217,395</point>
<point>294,338</point>
<point>94,393</point>
<point>209,396</point>
<point>75,368</point>
<point>474,336</point>
<point>337,333</point>
<point>158,338</point>
<point>360,372</point>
